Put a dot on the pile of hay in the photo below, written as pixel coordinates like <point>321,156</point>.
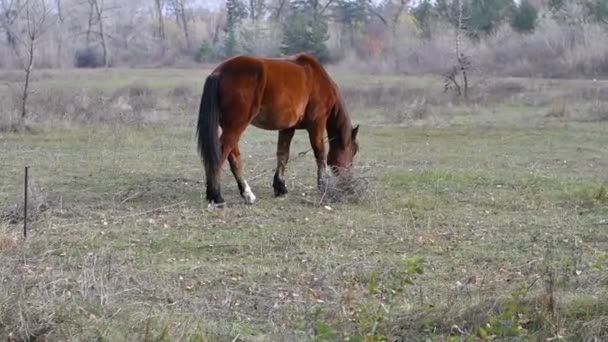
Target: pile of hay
<point>350,186</point>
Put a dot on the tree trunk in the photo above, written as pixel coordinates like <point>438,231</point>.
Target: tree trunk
<point>161,19</point>
<point>90,24</point>
<point>60,34</point>
<point>26,84</point>
<point>397,16</point>
<point>102,36</point>
<point>216,33</point>
<point>280,10</point>
<point>96,18</point>
<point>184,21</point>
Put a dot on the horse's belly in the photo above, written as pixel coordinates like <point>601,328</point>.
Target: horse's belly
<point>271,121</point>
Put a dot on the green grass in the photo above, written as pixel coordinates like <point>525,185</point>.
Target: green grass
<point>476,223</point>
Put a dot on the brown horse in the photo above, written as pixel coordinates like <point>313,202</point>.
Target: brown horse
<point>282,94</point>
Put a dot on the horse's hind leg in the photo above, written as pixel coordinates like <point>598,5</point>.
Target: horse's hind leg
<point>278,183</point>
<point>236,166</point>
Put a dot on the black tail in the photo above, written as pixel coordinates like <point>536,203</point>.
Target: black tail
<point>207,127</point>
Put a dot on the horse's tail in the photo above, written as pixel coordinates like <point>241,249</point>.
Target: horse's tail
<point>208,126</point>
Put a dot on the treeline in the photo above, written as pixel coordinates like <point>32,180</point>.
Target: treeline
<point>525,38</point>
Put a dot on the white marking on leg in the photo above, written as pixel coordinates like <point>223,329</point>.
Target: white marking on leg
<point>213,205</point>
<point>248,194</point>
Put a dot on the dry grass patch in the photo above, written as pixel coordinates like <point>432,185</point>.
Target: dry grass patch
<point>533,317</point>
<point>37,204</point>
<point>582,112</point>
<point>135,98</point>
<point>132,104</point>
<point>8,241</point>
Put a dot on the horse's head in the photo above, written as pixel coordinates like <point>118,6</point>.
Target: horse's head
<point>341,155</point>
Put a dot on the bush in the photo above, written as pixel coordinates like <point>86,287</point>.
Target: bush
<point>88,58</point>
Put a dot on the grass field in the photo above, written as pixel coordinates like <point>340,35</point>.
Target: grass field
<point>485,219</point>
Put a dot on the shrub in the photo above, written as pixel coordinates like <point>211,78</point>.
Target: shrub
<point>88,58</point>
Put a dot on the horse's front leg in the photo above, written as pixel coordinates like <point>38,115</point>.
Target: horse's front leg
<point>317,142</point>
<point>278,183</point>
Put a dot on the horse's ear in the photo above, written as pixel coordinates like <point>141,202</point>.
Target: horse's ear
<point>355,131</point>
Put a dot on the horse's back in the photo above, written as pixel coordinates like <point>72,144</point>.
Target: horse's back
<point>275,93</point>
<point>295,66</point>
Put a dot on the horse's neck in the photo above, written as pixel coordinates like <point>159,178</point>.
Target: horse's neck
<point>339,130</point>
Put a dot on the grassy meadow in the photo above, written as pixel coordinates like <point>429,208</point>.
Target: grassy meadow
<point>485,219</point>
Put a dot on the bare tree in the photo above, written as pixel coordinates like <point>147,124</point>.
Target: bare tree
<point>159,6</point>
<point>8,14</point>
<point>33,16</point>
<point>255,9</point>
<point>61,31</point>
<point>96,18</point>
<point>463,63</point>
<point>280,9</point>
<point>90,24</point>
<point>401,7</point>
<point>180,10</point>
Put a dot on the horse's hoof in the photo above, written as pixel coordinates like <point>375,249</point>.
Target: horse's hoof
<point>280,190</point>
<point>278,193</point>
<point>249,197</point>
<point>247,194</point>
<point>213,205</point>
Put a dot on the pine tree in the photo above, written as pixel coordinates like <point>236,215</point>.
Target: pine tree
<point>306,30</point>
<point>480,17</point>
<point>351,15</point>
<point>235,12</point>
<point>524,17</point>
<point>423,13</point>
<point>597,10</point>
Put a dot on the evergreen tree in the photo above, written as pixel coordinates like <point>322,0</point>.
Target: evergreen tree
<point>235,12</point>
<point>597,10</point>
<point>351,15</point>
<point>423,14</point>
<point>306,30</point>
<point>486,15</point>
<point>524,18</point>
<point>555,5</point>
<point>256,9</point>
<point>480,17</point>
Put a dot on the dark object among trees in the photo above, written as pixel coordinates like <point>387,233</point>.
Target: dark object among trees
<point>88,58</point>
